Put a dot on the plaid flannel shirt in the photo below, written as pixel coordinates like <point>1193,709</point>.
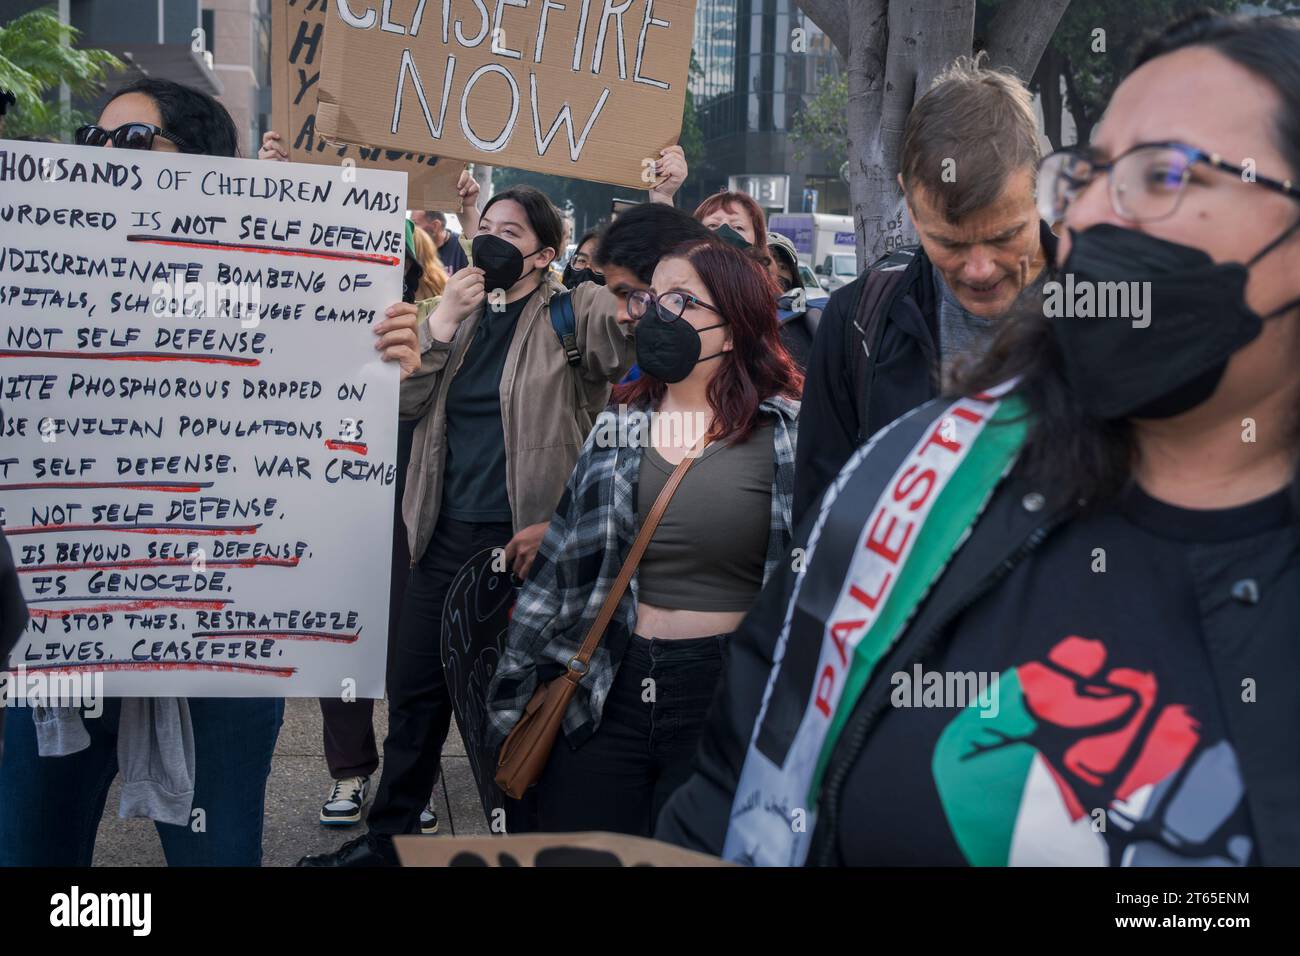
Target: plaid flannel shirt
<point>579,558</point>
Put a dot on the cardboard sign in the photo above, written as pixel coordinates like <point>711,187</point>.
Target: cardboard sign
<point>547,849</point>
<point>590,89</point>
<point>297,48</point>
<point>199,437</point>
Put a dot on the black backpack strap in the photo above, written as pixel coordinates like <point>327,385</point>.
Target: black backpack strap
<point>566,325</point>
<point>813,318</point>
<point>882,282</point>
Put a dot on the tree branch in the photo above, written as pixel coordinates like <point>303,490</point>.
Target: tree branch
<point>1020,31</point>
<point>832,17</point>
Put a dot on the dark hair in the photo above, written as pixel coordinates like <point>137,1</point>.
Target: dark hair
<point>981,118</point>
<point>437,216</point>
<point>191,114</point>
<point>1070,455</point>
<point>1268,47</point>
<point>758,365</point>
<point>643,235</point>
<point>587,236</point>
<point>543,218</point>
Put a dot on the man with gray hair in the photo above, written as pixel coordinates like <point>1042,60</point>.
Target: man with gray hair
<point>889,340</point>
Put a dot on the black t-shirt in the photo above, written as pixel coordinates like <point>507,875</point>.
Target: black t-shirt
<point>452,255</point>
<point>1104,741</point>
<point>474,477</point>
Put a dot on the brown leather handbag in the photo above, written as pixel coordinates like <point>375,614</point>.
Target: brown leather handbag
<point>528,746</point>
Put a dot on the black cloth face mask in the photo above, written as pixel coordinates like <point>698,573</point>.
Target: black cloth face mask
<point>502,263</point>
<point>573,278</point>
<point>731,237</point>
<point>1197,320</point>
<point>669,351</point>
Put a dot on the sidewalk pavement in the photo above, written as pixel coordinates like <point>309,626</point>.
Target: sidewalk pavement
<point>298,786</point>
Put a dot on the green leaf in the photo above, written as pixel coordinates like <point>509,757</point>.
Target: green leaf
<point>37,55</point>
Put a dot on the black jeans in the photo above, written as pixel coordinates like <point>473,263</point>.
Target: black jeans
<point>419,706</point>
<point>349,726</point>
<point>621,777</point>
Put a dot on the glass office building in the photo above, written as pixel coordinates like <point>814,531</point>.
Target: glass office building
<point>755,74</point>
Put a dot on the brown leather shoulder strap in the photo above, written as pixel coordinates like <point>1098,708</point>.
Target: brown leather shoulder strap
<point>629,565</point>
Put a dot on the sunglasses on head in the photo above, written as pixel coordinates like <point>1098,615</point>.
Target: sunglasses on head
<point>128,136</point>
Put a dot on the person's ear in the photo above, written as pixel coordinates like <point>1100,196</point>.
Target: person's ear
<point>546,259</point>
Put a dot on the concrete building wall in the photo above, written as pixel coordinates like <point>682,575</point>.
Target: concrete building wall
<point>240,46</point>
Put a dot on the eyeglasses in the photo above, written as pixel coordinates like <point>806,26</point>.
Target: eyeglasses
<point>128,136</point>
<point>1146,182</point>
<point>669,307</point>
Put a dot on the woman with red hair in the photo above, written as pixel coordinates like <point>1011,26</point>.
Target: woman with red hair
<point>716,385</point>
<point>735,217</point>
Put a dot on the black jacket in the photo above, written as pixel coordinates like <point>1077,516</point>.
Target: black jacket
<point>1264,734</point>
<point>874,359</point>
<point>13,616</point>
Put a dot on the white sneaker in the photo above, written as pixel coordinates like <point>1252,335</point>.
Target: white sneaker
<point>429,817</point>
<point>347,797</point>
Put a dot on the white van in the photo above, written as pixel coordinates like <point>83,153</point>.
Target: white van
<point>827,243</point>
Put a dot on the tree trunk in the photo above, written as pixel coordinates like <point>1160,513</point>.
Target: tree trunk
<point>483,174</point>
<point>1020,32</point>
<point>924,36</point>
<point>868,179</point>
<point>1048,78</point>
<point>894,49</point>
<point>1083,123</point>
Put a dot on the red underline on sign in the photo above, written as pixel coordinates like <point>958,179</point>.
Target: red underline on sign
<point>267,250</point>
<point>69,666</point>
<point>139,528</point>
<point>133,485</point>
<point>339,638</point>
<point>333,444</point>
<point>126,604</point>
<point>164,563</point>
<point>133,357</point>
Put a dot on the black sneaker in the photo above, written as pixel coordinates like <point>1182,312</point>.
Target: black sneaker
<point>369,849</point>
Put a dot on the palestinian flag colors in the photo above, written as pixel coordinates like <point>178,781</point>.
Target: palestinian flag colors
<point>1081,764</point>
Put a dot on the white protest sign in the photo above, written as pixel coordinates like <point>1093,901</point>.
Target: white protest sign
<point>199,437</point>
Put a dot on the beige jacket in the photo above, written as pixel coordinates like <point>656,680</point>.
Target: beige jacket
<point>547,406</point>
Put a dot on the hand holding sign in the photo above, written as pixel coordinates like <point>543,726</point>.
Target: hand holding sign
<point>398,341</point>
<point>271,147</point>
<point>670,169</point>
<point>468,189</point>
